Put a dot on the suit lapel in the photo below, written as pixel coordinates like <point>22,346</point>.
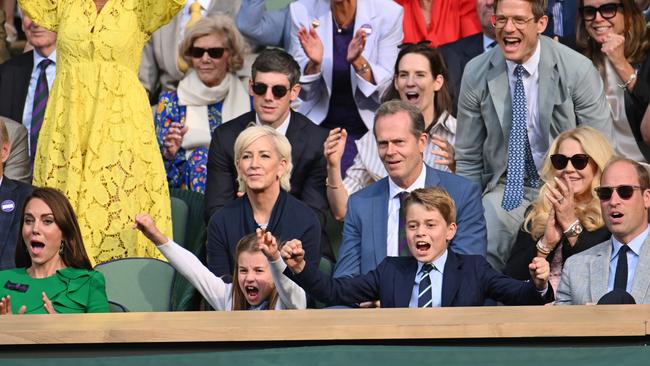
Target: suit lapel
<point>404,281</point>
<point>7,188</point>
<point>499,88</point>
<point>379,209</point>
<point>432,179</point>
<point>451,278</point>
<point>548,80</point>
<point>641,282</point>
<point>599,273</point>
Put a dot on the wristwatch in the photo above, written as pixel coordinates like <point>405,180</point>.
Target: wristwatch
<point>574,230</point>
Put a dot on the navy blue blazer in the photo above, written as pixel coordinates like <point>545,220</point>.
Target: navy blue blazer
<point>12,199</point>
<point>366,222</point>
<point>468,280</point>
<point>14,84</point>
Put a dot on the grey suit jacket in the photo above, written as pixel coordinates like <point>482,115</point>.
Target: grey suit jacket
<point>585,276</point>
<point>18,166</point>
<point>570,93</point>
<point>159,68</point>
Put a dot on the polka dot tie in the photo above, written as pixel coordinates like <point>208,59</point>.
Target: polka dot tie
<point>520,159</point>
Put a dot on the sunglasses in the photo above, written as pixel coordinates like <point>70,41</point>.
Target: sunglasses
<point>198,52</point>
<point>607,11</point>
<point>624,191</point>
<point>579,161</point>
<point>278,91</point>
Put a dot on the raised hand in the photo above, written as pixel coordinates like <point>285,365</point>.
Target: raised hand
<point>147,226</point>
<point>267,244</point>
<point>293,255</point>
<point>173,139</point>
<point>552,233</point>
<point>357,45</point>
<point>539,271</point>
<point>334,146</point>
<point>562,198</point>
<point>312,45</point>
<point>5,307</point>
<point>446,152</point>
<point>613,47</point>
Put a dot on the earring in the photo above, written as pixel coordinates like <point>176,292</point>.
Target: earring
<point>61,248</point>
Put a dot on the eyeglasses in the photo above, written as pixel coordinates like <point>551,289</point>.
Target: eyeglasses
<point>214,52</point>
<point>607,11</point>
<point>579,161</point>
<point>624,191</point>
<point>500,21</point>
<point>278,91</point>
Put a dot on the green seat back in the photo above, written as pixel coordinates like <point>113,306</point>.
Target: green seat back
<point>180,214</point>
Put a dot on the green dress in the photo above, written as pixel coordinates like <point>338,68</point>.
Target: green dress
<point>71,290</point>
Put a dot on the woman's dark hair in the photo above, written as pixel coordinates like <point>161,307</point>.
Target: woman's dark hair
<point>74,253</point>
<point>441,99</point>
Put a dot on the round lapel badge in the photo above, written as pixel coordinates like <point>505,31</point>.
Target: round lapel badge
<point>8,206</point>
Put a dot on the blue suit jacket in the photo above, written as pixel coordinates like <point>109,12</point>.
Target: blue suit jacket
<point>366,222</point>
<point>12,199</point>
<point>468,280</point>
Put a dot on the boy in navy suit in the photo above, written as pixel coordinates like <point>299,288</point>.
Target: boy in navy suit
<point>433,276</point>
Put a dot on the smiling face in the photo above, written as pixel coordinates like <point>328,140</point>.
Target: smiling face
<point>254,277</point>
<point>41,234</point>
<point>427,232</point>
<point>415,83</point>
<point>580,180</point>
<point>625,219</point>
<point>260,165</point>
<point>399,150</point>
<point>211,71</point>
<point>518,45</point>
<point>273,111</point>
<point>599,28</point>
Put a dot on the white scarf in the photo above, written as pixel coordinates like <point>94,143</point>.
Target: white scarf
<point>196,96</point>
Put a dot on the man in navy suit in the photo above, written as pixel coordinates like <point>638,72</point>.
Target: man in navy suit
<point>371,228</point>
<point>12,198</point>
<point>433,276</point>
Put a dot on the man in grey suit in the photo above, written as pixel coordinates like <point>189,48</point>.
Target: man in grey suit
<point>159,69</point>
<point>513,102</point>
<point>18,165</point>
<point>623,262</point>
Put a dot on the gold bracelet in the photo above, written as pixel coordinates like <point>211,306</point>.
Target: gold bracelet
<point>328,185</point>
<point>363,69</point>
<point>628,82</point>
<point>542,248</point>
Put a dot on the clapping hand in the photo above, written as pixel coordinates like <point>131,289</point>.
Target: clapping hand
<point>334,146</point>
<point>311,45</point>
<point>5,307</point>
<point>357,45</point>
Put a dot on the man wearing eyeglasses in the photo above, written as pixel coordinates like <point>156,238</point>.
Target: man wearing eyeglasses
<point>513,102</point>
<point>273,86</point>
<point>621,264</point>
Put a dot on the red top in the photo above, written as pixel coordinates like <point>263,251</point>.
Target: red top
<point>450,21</point>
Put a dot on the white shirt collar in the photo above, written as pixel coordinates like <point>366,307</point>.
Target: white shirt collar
<point>530,66</point>
<point>282,128</point>
<point>38,57</point>
<point>439,263</point>
<point>634,244</point>
<point>394,189</point>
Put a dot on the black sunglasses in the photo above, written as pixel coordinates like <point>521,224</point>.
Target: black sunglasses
<point>214,52</point>
<point>579,161</point>
<point>624,191</point>
<point>278,91</point>
<point>607,11</point>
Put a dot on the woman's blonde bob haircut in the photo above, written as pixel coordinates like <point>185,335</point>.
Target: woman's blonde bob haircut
<point>280,142</point>
<point>222,25</point>
<point>600,152</point>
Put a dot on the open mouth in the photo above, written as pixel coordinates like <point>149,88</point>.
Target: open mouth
<point>37,247</point>
<point>511,43</point>
<point>616,215</point>
<point>412,97</point>
<point>422,246</point>
<point>252,292</point>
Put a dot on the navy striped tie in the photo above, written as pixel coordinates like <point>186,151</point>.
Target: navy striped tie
<point>425,298</point>
<point>38,109</point>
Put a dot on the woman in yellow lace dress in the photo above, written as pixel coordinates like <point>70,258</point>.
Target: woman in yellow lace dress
<point>97,143</point>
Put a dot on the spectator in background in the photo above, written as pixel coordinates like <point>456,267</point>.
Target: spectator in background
<point>420,80</point>
<point>345,55</point>
<point>513,101</point>
<point>562,20</point>
<point>439,21</point>
<point>263,160</point>
<point>18,166</point>
<point>12,199</point>
<point>21,76</point>
<point>209,94</point>
<point>457,54</point>
<point>616,39</point>
<point>162,68</point>
<point>565,219</point>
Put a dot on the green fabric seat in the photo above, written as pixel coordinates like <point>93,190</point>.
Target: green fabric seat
<point>180,214</point>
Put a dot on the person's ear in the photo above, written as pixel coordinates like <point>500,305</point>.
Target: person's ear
<point>295,91</point>
<point>451,231</point>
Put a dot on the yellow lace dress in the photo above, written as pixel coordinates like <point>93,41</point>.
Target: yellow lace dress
<point>97,143</point>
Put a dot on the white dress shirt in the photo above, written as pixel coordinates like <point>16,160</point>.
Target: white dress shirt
<point>282,128</point>
<point>50,73</point>
<point>392,234</point>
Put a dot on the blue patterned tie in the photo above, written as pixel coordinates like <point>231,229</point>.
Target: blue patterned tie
<point>520,159</point>
<point>425,295</point>
<point>38,108</point>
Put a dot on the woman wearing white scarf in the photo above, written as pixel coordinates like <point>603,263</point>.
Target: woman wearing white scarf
<point>209,94</point>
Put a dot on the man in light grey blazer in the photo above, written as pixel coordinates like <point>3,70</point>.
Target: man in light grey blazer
<point>624,194</point>
<point>18,166</point>
<point>159,68</point>
<point>561,89</point>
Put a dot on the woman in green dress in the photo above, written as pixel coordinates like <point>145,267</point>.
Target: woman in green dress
<point>53,273</point>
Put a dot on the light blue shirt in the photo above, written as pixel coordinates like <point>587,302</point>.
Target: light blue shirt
<point>632,259</point>
<point>436,281</point>
<point>50,73</point>
<point>487,41</point>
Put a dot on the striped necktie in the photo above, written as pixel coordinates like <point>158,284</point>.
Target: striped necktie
<point>38,108</point>
<point>425,294</point>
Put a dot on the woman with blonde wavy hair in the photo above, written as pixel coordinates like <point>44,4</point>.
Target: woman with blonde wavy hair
<point>565,219</point>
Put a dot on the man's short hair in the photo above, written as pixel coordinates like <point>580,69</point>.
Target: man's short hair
<point>395,106</point>
<point>434,198</point>
<point>538,6</point>
<point>276,60</point>
<point>641,172</point>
